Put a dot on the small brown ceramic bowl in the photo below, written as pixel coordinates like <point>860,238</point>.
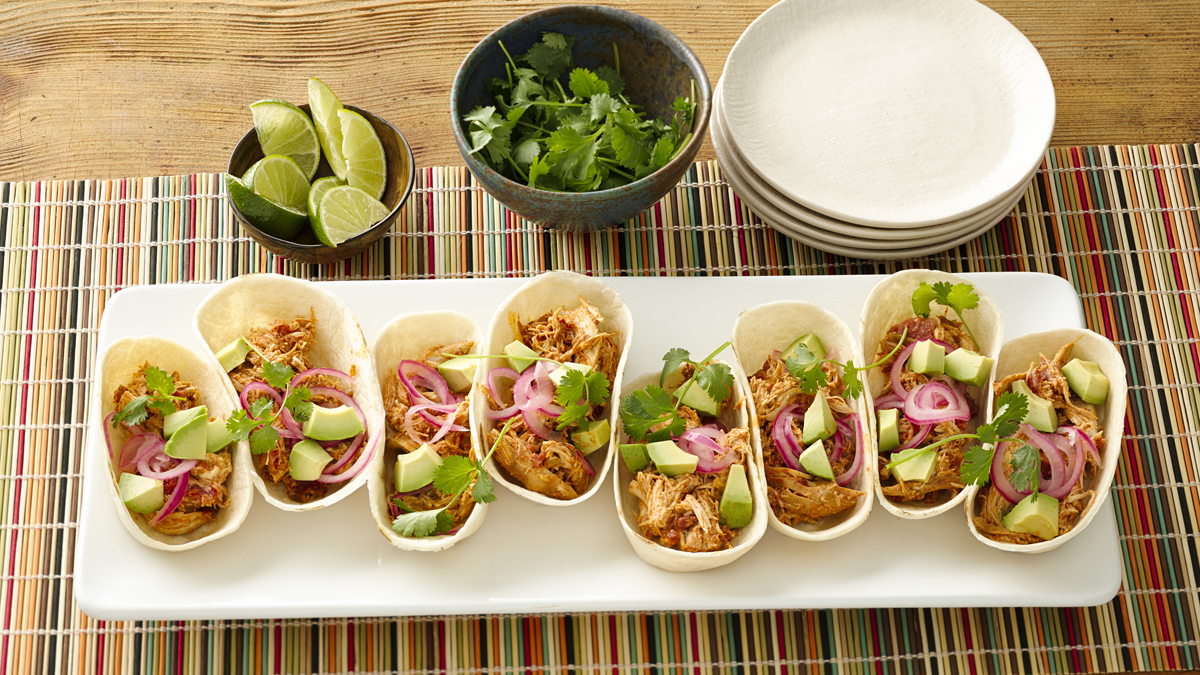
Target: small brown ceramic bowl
<point>305,247</point>
<point>657,67</point>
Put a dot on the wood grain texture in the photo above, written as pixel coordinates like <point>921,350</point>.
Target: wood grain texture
<point>92,89</point>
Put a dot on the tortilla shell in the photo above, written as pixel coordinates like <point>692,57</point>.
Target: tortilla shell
<point>671,559</point>
<point>254,300</point>
<point>409,337</point>
<point>538,296</point>
<point>118,365</point>
<point>771,327</point>
<point>1015,357</point>
<point>889,303</point>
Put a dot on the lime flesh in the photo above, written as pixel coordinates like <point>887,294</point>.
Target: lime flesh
<point>319,187</point>
<point>347,212</point>
<point>324,105</point>
<point>366,165</point>
<point>284,129</point>
<point>278,178</point>
<point>274,219</point>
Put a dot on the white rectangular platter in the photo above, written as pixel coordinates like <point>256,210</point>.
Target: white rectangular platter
<point>533,558</point>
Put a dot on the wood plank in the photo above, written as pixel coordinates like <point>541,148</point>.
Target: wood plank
<point>106,90</point>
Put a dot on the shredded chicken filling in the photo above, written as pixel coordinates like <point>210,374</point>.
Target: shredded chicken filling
<point>1046,380</point>
<point>205,493</point>
<point>795,495</point>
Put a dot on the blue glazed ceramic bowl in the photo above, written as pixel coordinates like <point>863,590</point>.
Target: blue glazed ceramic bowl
<point>657,67</point>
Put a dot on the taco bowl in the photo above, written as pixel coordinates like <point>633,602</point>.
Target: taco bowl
<point>421,338</point>
<point>652,505</point>
<point>293,323</point>
<point>815,508</point>
<point>888,309</point>
<point>589,322</point>
<point>1034,362</point>
<point>201,504</point>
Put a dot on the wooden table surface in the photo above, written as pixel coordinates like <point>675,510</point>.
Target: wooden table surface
<point>128,89</point>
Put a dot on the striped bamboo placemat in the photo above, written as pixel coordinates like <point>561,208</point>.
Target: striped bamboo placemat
<point>1120,223</point>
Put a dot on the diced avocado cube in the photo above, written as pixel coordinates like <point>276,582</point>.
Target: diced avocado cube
<point>819,422</point>
<point>557,375</point>
<point>918,469</point>
<point>967,366</point>
<point>1041,415</point>
<point>1087,381</point>
<point>591,436</point>
<point>414,470</point>
<point>670,459</point>
<point>737,505</point>
<point>140,494</point>
<point>1035,514</point>
<point>697,399</point>
<point>233,354</point>
<point>218,436</point>
<point>307,460</point>
<point>927,357</point>
<point>635,456</point>
<point>810,341</point>
<point>332,424</point>
<point>190,441</point>
<point>519,355</point>
<point>175,421</point>
<point>889,429</point>
<point>816,462</point>
<point>458,373</point>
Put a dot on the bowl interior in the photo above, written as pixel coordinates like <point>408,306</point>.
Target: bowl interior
<point>306,247</point>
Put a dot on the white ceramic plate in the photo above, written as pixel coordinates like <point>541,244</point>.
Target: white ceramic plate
<point>824,228</point>
<point>890,113</point>
<point>533,558</point>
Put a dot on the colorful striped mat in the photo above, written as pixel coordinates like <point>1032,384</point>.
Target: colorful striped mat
<point>1120,223</point>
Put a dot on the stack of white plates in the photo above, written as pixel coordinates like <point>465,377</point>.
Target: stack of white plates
<point>882,128</point>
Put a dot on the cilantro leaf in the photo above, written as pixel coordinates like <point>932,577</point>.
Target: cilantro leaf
<point>297,402</point>
<point>482,491</point>
<point>162,405</point>
<point>571,154</point>
<point>854,385</point>
<point>585,84</point>
<point>454,474</point>
<point>647,408</point>
<point>423,523</point>
<point>602,106</point>
<point>134,412</point>
<point>557,41</point>
<point>527,151</point>
<point>263,440</point>
<point>716,379</point>
<point>959,297</point>
<point>240,425</point>
<point>1010,410</point>
<point>616,84</point>
<point>1026,464</point>
<point>260,406</point>
<point>552,56</point>
<point>807,371</point>
<point>537,170</point>
<point>158,381</point>
<point>673,360</point>
<point>576,391</point>
<point>278,375</point>
<point>977,464</point>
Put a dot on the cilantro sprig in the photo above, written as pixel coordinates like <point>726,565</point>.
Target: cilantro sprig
<point>647,408</point>
<point>959,297</point>
<point>259,424</point>
<point>161,398</point>
<point>806,367</point>
<point>453,476</point>
<point>577,392</point>
<point>977,459</point>
<point>592,138</point>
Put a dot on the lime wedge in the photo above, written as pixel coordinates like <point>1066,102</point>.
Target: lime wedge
<point>366,166</point>
<point>278,178</point>
<point>319,187</point>
<point>284,129</point>
<point>274,219</point>
<point>324,105</point>
<point>347,212</point>
<point>248,177</point>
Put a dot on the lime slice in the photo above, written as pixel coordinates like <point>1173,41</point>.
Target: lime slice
<point>366,166</point>
<point>278,178</point>
<point>274,219</point>
<point>347,212</point>
<point>319,187</point>
<point>248,177</point>
<point>284,129</point>
<point>324,105</point>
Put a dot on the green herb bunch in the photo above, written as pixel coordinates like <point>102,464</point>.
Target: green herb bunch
<point>580,137</point>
